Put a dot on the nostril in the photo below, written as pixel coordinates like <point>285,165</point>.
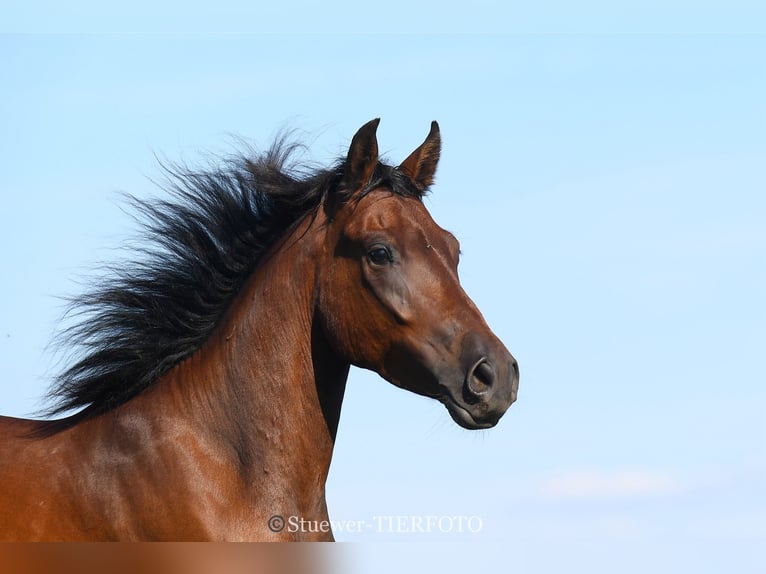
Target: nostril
<point>481,378</point>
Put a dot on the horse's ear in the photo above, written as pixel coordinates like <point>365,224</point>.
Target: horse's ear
<point>362,157</point>
<point>420,166</point>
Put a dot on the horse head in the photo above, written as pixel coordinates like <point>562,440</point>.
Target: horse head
<point>389,295</point>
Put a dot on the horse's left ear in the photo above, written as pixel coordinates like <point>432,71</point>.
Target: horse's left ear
<point>420,166</point>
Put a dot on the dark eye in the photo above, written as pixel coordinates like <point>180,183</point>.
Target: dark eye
<point>379,255</point>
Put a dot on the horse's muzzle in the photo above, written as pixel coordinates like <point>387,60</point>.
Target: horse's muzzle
<point>489,386</point>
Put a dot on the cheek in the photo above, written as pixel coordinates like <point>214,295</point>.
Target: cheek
<point>392,291</point>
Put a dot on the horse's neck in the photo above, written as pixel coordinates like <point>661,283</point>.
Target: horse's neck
<point>263,395</point>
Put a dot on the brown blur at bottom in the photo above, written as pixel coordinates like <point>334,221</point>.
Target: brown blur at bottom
<point>164,558</point>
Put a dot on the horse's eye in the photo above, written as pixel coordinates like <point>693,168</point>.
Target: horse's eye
<point>379,255</point>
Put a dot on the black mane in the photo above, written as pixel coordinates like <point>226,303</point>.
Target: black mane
<point>202,244</point>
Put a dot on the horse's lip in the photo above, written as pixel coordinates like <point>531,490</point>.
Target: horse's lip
<point>461,415</point>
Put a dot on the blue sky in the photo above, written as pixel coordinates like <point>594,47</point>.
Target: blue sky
<point>608,192</point>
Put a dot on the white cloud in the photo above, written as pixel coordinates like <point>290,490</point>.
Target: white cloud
<point>589,484</point>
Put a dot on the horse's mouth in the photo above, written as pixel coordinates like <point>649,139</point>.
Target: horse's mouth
<point>462,416</point>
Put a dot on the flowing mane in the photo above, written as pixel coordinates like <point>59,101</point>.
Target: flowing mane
<point>203,242</point>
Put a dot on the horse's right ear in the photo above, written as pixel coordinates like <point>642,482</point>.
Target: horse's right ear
<point>362,158</point>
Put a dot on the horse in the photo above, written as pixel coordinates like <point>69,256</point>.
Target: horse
<point>208,374</point>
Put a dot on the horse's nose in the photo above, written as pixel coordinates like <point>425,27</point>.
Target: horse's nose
<point>492,383</point>
<point>480,379</point>
<point>491,377</point>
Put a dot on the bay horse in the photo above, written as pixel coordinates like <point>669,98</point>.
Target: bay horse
<point>209,374</point>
